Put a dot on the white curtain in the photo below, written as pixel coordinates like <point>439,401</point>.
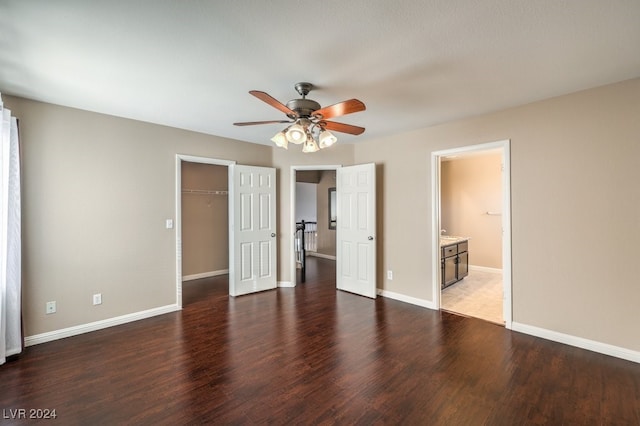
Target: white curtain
<point>10,238</point>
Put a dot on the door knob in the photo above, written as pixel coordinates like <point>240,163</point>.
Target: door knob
<point>370,238</point>
<point>273,234</point>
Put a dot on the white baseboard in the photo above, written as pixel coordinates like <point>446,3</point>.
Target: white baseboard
<point>485,269</point>
<point>285,284</point>
<point>579,342</point>
<point>407,299</point>
<point>204,275</point>
<point>97,325</point>
<point>324,256</point>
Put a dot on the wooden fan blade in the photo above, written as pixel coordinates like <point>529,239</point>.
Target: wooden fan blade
<point>341,108</point>
<point>265,97</point>
<point>343,128</point>
<point>253,123</point>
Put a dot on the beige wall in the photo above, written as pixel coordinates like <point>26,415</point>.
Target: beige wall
<point>575,208</point>
<point>205,219</point>
<point>471,187</point>
<point>326,236</point>
<point>96,193</point>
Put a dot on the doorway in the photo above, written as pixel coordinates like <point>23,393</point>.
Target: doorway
<point>205,221</point>
<point>471,230</point>
<point>355,224</point>
<point>323,178</point>
<point>197,194</point>
<point>315,231</point>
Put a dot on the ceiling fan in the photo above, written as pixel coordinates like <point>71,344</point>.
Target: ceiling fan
<point>309,122</point>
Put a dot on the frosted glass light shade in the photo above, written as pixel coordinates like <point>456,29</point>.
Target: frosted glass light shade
<point>280,140</point>
<point>310,146</point>
<point>327,139</point>
<point>296,134</point>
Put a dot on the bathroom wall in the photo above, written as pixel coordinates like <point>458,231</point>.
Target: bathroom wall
<point>470,187</point>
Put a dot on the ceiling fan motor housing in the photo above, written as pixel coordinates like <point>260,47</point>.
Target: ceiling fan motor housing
<point>309,114</point>
<point>303,107</point>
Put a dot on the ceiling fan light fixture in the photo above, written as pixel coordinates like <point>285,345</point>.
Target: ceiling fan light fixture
<point>327,139</point>
<point>310,145</point>
<point>280,140</point>
<point>306,120</point>
<point>296,134</point>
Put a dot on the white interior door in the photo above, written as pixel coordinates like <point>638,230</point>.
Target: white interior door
<point>355,233</point>
<point>252,229</point>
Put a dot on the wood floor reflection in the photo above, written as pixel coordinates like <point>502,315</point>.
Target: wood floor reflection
<point>314,355</point>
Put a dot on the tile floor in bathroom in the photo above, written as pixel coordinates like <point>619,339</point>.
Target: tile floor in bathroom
<point>477,295</point>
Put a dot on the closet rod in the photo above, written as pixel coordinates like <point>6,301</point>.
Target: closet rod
<point>204,192</point>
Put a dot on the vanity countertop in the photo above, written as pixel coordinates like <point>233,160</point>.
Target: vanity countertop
<point>450,239</point>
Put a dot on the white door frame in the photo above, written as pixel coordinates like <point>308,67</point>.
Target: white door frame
<point>292,213</point>
<point>436,156</point>
<point>178,225</point>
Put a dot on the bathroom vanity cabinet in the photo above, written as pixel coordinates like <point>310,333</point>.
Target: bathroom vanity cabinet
<point>455,259</point>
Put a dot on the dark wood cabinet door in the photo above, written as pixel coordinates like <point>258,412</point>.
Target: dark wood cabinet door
<point>463,265</point>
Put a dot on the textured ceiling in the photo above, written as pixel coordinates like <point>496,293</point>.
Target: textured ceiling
<point>415,63</point>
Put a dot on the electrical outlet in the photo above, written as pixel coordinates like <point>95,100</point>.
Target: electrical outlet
<point>390,275</point>
<point>97,299</point>
<point>51,308</point>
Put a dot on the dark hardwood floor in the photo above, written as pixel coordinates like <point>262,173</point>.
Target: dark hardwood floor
<point>314,355</point>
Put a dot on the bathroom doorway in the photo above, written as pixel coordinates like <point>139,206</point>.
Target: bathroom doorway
<point>472,238</point>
